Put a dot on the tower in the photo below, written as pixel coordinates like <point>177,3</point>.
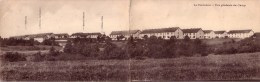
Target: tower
<point>102,32</point>
<point>83,21</point>
<point>25,22</point>
<point>40,13</point>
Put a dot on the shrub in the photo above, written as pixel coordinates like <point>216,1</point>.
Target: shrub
<point>89,50</point>
<point>13,57</point>
<point>68,47</point>
<point>111,51</point>
<point>53,52</point>
<point>38,57</point>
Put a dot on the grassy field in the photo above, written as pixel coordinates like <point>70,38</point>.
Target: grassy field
<point>218,41</point>
<point>28,48</point>
<point>213,67</point>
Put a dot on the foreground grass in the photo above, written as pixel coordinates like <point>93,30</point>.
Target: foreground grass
<point>212,67</point>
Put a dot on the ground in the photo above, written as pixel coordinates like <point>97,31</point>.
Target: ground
<point>213,67</point>
<point>244,66</point>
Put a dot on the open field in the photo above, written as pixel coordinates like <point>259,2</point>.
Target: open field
<point>218,41</point>
<point>27,48</point>
<point>213,67</point>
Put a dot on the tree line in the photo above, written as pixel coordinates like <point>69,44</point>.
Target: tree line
<point>156,47</point>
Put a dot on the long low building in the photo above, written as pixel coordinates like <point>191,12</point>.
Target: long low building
<point>164,33</point>
<point>221,34</point>
<point>126,34</point>
<point>85,35</point>
<point>240,33</point>
<point>194,33</point>
<point>209,34</point>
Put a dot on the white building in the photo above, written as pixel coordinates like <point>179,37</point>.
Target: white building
<point>41,36</point>
<point>209,34</point>
<point>37,37</point>
<point>61,36</point>
<point>85,35</point>
<point>164,33</point>
<point>240,33</point>
<point>220,34</point>
<point>193,33</point>
<point>125,33</point>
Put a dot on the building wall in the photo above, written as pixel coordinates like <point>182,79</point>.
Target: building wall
<point>165,35</point>
<point>39,39</point>
<point>210,35</point>
<point>241,35</point>
<point>114,37</point>
<point>199,34</point>
<point>221,35</point>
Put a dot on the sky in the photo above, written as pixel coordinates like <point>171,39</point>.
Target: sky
<point>66,16</point>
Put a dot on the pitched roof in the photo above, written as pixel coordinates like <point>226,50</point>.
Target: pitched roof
<point>85,34</point>
<point>40,35</point>
<point>192,30</point>
<point>219,32</point>
<point>239,31</point>
<point>62,34</point>
<point>94,33</point>
<point>207,31</point>
<point>160,30</point>
<point>125,32</point>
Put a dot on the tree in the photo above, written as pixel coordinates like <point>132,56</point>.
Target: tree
<point>131,40</point>
<point>186,38</point>
<point>108,39</point>
<point>120,37</point>
<point>68,47</point>
<point>173,38</point>
<point>145,37</point>
<point>53,52</point>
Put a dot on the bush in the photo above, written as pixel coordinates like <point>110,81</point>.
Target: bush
<point>13,57</point>
<point>111,51</point>
<point>37,57</point>
<point>53,52</point>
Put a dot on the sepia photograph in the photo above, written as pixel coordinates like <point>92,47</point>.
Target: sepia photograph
<point>129,40</point>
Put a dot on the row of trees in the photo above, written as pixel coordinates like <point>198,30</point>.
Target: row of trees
<point>152,47</point>
<point>22,42</point>
<point>15,42</point>
<point>50,42</point>
<point>247,45</point>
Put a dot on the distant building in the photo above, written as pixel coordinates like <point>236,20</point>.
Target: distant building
<point>61,39</point>
<point>164,33</point>
<point>94,35</point>
<point>193,33</point>
<point>126,34</point>
<point>40,37</point>
<point>61,36</point>
<point>240,33</point>
<point>220,34</point>
<point>62,42</point>
<point>85,35</point>
<point>209,34</point>
<point>24,37</point>
<point>37,37</point>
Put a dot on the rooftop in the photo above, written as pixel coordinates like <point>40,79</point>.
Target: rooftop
<point>239,31</point>
<point>125,32</point>
<point>192,30</point>
<point>219,32</point>
<point>160,30</point>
